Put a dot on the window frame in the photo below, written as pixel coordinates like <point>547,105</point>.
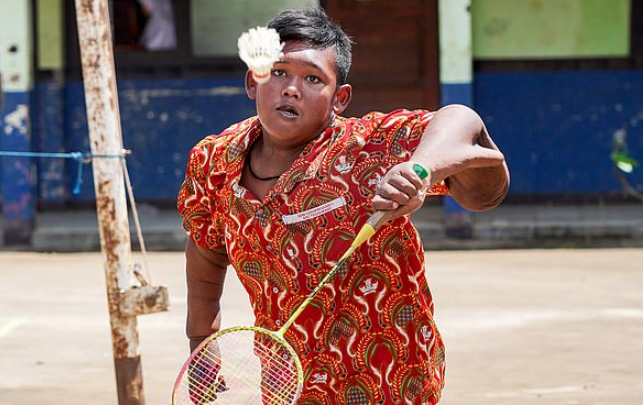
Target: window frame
<point>177,63</point>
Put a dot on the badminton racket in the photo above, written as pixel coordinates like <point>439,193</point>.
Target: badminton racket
<point>254,365</point>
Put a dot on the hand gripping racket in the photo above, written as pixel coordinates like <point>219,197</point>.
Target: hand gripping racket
<point>253,365</point>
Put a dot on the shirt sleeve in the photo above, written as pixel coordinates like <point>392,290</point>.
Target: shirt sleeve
<point>403,131</point>
<point>197,199</point>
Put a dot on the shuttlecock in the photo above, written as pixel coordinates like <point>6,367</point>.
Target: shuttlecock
<point>260,48</point>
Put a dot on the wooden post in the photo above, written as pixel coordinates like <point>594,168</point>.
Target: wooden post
<point>125,299</point>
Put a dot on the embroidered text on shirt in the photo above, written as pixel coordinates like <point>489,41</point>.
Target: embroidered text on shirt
<point>314,212</point>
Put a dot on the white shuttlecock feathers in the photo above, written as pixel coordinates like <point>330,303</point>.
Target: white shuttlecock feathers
<point>260,48</point>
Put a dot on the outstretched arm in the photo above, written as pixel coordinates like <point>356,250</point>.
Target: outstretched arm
<point>205,272</point>
<point>456,148</point>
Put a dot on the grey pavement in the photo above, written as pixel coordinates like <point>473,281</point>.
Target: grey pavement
<point>508,226</point>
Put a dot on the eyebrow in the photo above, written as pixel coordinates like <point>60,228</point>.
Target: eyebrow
<point>307,63</point>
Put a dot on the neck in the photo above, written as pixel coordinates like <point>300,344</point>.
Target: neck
<point>272,158</point>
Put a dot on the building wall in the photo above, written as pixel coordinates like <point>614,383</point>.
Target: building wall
<point>17,175</point>
<point>161,120</point>
<point>555,81</point>
<point>555,126</point>
<point>546,29</point>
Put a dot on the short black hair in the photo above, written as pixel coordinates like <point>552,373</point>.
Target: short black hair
<point>313,27</point>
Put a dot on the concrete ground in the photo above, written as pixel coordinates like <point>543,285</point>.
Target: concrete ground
<point>522,327</point>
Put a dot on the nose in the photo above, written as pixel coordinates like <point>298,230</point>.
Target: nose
<point>291,90</point>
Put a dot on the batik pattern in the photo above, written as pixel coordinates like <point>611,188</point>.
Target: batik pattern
<point>368,337</point>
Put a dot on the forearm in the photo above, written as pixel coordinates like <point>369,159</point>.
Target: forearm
<point>205,273</point>
<point>457,148</point>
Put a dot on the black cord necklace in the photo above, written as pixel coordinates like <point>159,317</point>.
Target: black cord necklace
<point>252,172</point>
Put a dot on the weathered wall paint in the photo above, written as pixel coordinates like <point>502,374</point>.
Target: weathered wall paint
<point>48,114</point>
<point>519,29</point>
<point>556,129</point>
<point>17,174</point>
<point>161,121</point>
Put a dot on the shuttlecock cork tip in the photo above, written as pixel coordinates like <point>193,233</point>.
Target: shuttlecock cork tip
<point>260,48</point>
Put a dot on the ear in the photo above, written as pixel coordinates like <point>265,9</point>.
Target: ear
<point>343,96</point>
<point>251,86</point>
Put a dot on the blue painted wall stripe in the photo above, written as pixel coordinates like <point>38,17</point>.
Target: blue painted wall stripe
<point>556,128</point>
<point>18,199</point>
<point>48,115</point>
<point>161,121</point>
<point>457,94</point>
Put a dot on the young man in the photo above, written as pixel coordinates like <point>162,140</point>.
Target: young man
<point>281,195</point>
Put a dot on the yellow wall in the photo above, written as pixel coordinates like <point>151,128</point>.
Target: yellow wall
<point>521,29</point>
<point>50,34</point>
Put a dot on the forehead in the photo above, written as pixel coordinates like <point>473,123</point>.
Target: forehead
<point>303,53</point>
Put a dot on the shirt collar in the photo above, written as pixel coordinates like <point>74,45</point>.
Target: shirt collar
<point>305,166</point>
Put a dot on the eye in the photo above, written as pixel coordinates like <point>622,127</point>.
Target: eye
<point>279,72</point>
<point>313,79</point>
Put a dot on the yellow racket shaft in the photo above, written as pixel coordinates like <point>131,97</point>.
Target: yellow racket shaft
<point>375,221</point>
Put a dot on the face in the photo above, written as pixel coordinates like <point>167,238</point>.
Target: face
<point>302,95</point>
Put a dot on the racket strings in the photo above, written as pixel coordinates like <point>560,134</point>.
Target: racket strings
<point>208,390</point>
<point>204,373</point>
<point>249,367</point>
<point>276,363</point>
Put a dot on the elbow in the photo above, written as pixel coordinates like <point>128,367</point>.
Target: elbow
<point>492,201</point>
<point>480,196</point>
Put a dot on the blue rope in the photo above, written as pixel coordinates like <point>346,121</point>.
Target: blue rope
<point>79,157</point>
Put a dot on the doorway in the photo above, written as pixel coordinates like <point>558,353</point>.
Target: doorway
<point>395,55</point>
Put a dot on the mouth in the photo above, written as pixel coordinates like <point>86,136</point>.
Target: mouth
<point>288,111</point>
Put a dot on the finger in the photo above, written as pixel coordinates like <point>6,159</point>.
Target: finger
<point>407,183</point>
<point>383,204</point>
<point>414,204</point>
<point>400,185</point>
<point>401,194</point>
<point>414,179</point>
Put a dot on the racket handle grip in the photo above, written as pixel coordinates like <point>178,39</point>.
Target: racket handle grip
<point>378,218</point>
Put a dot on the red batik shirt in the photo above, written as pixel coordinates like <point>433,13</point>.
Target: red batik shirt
<point>368,337</point>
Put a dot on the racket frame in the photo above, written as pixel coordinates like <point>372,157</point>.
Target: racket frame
<point>200,351</point>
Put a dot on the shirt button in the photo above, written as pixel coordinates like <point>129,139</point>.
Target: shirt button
<point>278,322</point>
<point>275,290</point>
